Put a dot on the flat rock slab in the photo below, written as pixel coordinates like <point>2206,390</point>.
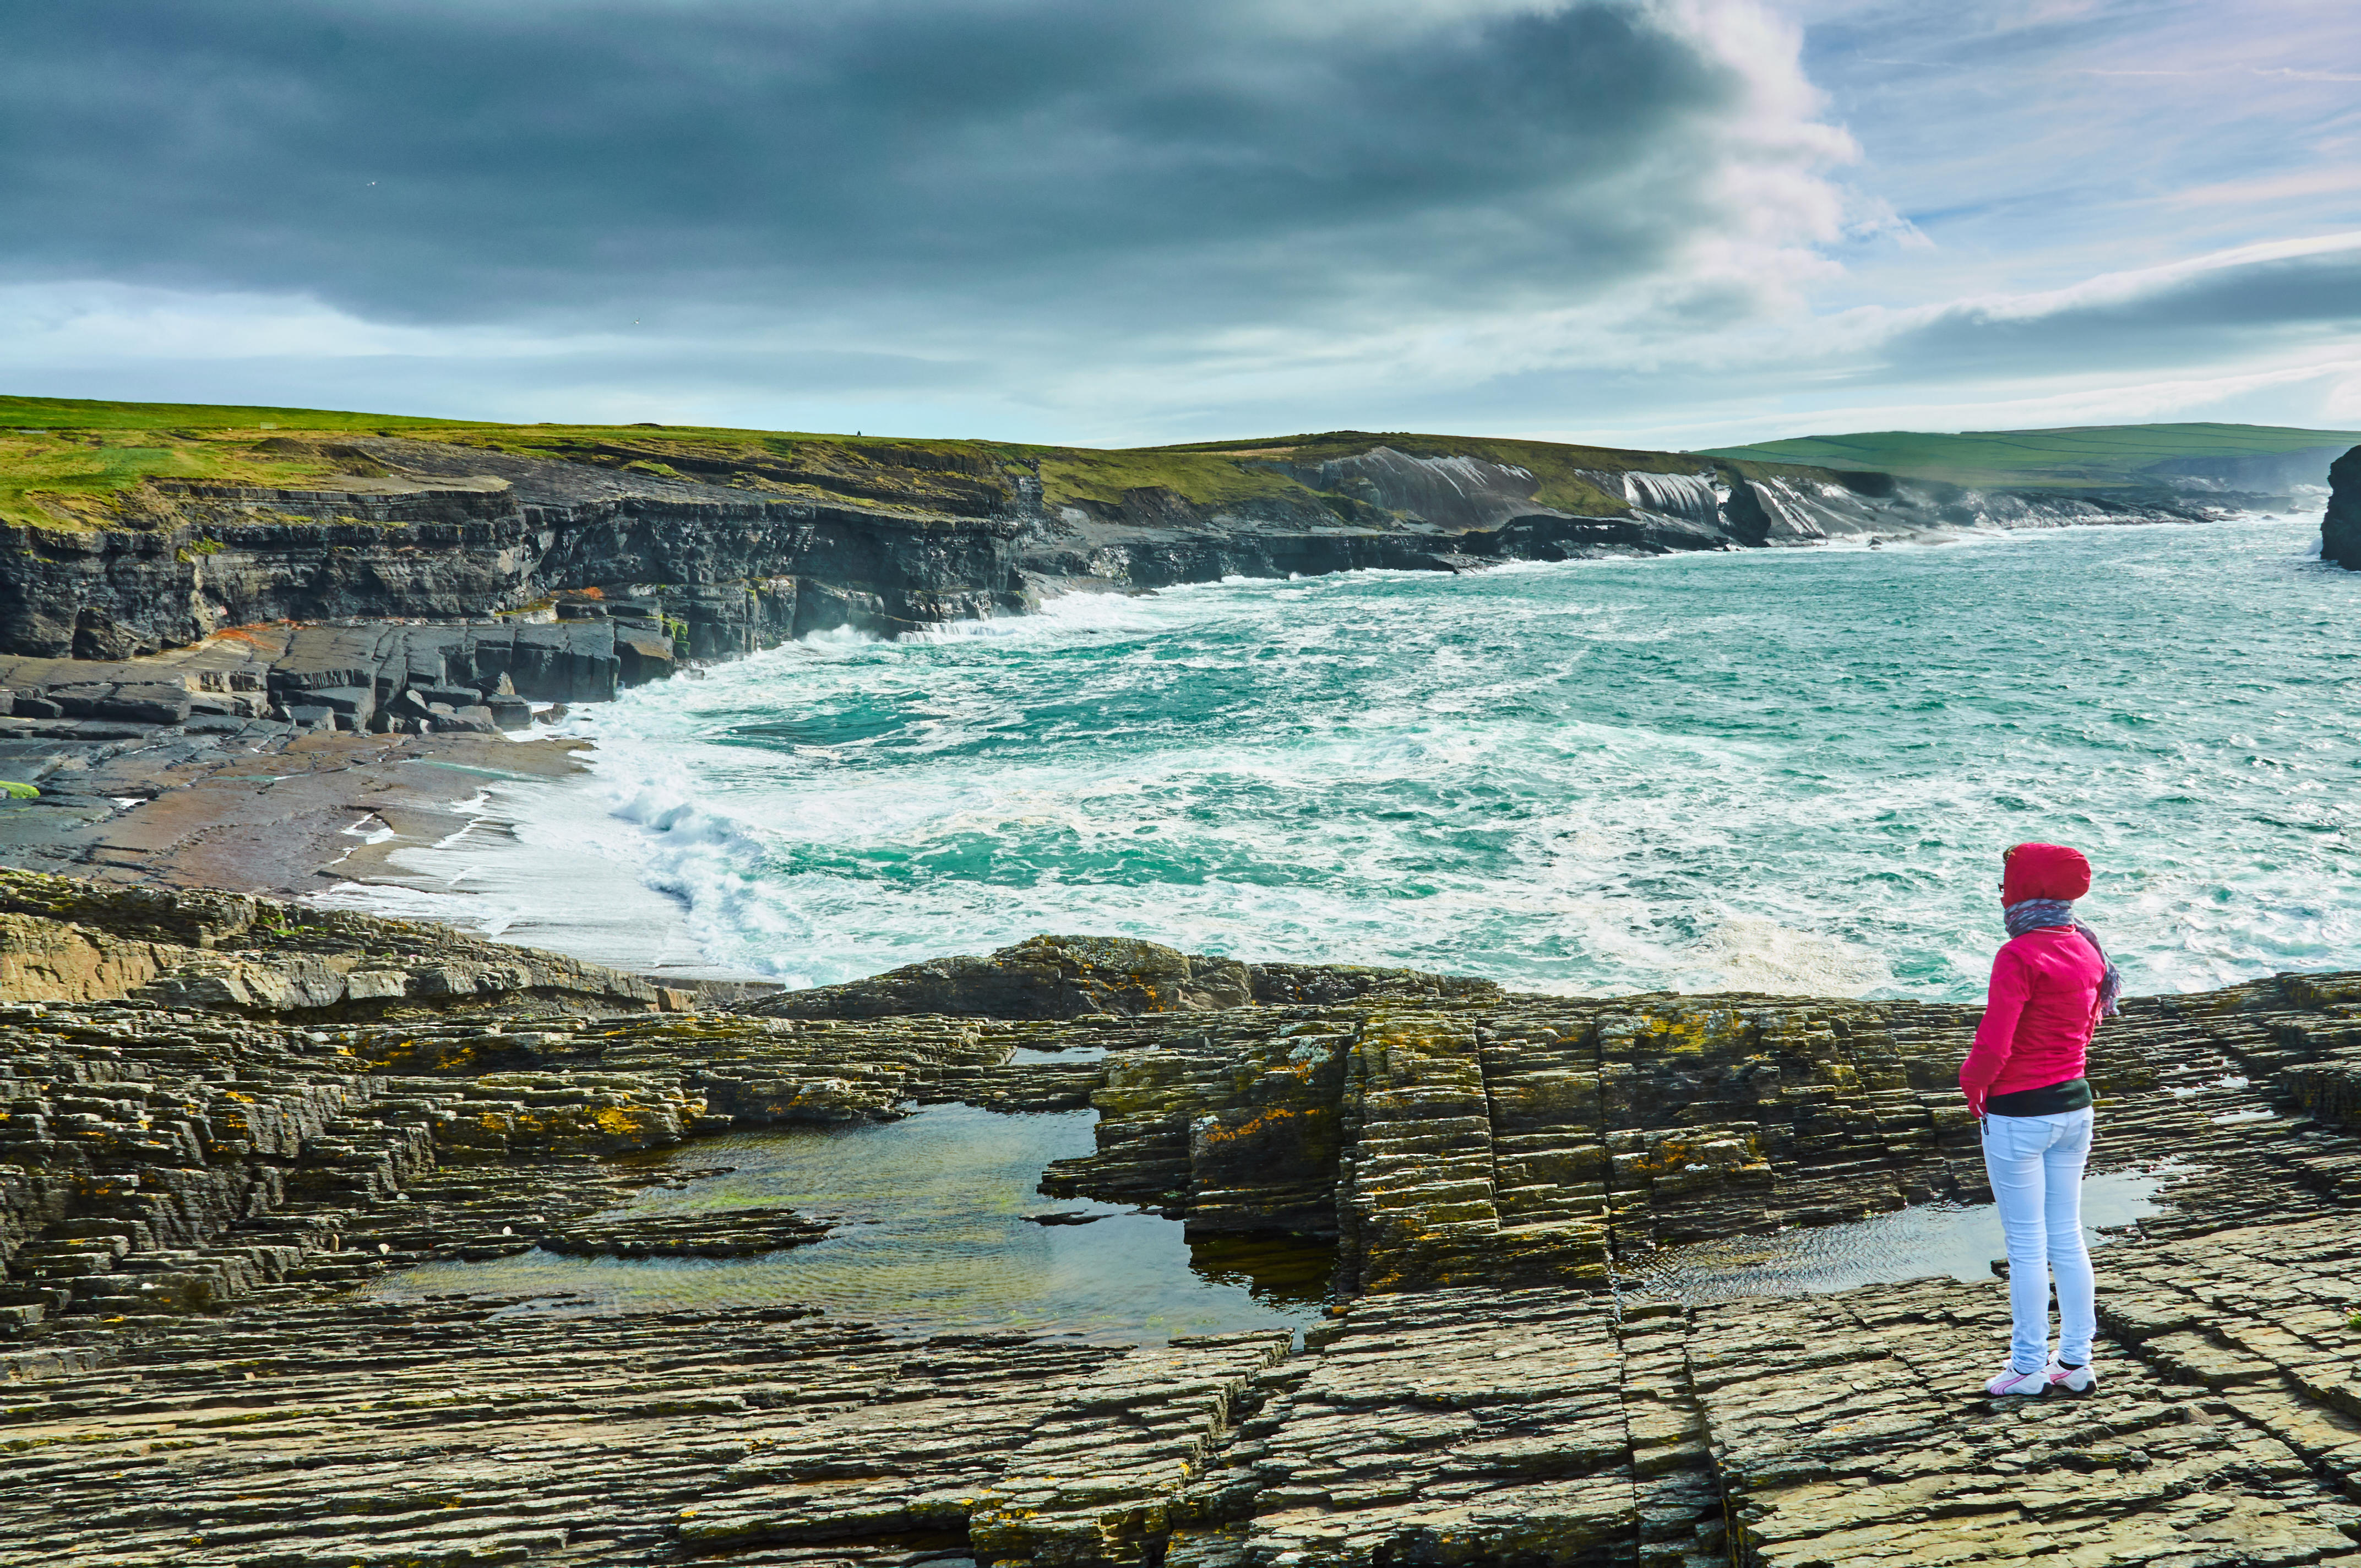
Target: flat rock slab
<point>737,1232</point>
<point>1853,1428</point>
<point>274,815</point>
<point>250,1108</point>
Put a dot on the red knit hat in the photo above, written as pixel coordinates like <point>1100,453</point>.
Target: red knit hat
<point>2043,871</point>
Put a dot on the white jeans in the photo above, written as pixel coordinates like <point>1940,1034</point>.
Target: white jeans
<point>2036,1167</point>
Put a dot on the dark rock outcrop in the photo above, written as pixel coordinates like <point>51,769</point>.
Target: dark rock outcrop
<point>2339,528</point>
<point>1048,977</point>
<point>1068,977</point>
<point>741,1233</point>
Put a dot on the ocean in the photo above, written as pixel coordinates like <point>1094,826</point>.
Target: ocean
<point>1782,770</point>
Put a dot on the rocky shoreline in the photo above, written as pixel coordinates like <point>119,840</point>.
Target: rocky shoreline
<point>225,1113</point>
<point>162,674</point>
<point>734,548</point>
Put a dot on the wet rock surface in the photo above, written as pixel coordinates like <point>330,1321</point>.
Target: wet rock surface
<point>265,757</point>
<point>189,1193</point>
<point>742,1233</point>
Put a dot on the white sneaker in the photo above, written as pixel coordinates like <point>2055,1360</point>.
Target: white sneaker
<point>2010,1382</point>
<point>2073,1379</point>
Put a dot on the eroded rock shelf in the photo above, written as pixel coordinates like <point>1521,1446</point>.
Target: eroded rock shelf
<point>194,1181</point>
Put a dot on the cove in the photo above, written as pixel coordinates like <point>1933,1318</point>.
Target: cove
<point>1787,772</point>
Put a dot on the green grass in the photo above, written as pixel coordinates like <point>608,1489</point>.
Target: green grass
<point>1076,474</point>
<point>78,413</point>
<point>2089,456</point>
<point>77,478</point>
<point>67,463</point>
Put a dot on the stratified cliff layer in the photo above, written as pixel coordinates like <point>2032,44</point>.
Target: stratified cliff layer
<point>740,538</point>
<point>2339,528</point>
<point>188,1183</point>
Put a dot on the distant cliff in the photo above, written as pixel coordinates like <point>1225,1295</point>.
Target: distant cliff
<point>2340,529</point>
<point>216,529</point>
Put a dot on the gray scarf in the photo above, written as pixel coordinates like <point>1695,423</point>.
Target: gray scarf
<point>2034,914</point>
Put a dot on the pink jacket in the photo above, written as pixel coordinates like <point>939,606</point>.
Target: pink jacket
<point>2038,1021</point>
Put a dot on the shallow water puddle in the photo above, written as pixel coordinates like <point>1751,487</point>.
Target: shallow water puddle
<point>933,1236</point>
<point>1927,1241</point>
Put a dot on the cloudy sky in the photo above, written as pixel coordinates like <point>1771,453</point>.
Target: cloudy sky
<point>1669,222</point>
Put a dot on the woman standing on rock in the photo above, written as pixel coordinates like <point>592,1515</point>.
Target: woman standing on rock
<point>2051,983</point>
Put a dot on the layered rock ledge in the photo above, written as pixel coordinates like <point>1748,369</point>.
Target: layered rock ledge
<point>191,1185</point>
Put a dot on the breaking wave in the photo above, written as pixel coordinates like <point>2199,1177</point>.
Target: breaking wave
<point>1769,770</point>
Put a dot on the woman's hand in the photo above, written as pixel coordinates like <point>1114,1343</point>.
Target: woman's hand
<point>1975,1103</point>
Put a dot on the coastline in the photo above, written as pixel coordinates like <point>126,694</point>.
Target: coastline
<point>1299,771</point>
<point>528,859</point>
<point>432,826</point>
<point>236,1164</point>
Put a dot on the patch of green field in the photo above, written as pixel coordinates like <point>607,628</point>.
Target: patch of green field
<point>1077,473</point>
<point>70,462</point>
<point>2079,457</point>
<point>77,478</point>
<point>79,413</point>
<point>80,464</point>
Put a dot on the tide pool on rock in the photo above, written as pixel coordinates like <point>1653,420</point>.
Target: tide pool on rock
<point>931,1233</point>
<point>1925,1241</point>
<point>1770,770</point>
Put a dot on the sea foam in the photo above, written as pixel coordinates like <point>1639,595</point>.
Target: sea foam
<point>1770,770</point>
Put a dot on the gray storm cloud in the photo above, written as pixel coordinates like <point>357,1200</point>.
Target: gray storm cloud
<point>2168,317</point>
<point>1201,163</point>
<point>1076,220</point>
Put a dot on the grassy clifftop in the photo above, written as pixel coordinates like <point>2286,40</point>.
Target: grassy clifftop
<point>2094,456</point>
<point>67,463</point>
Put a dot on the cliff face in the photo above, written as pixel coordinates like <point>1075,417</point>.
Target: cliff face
<point>442,543</point>
<point>2340,529</point>
<point>446,530</point>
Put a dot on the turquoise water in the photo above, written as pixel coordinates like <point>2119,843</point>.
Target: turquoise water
<point>1787,771</point>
